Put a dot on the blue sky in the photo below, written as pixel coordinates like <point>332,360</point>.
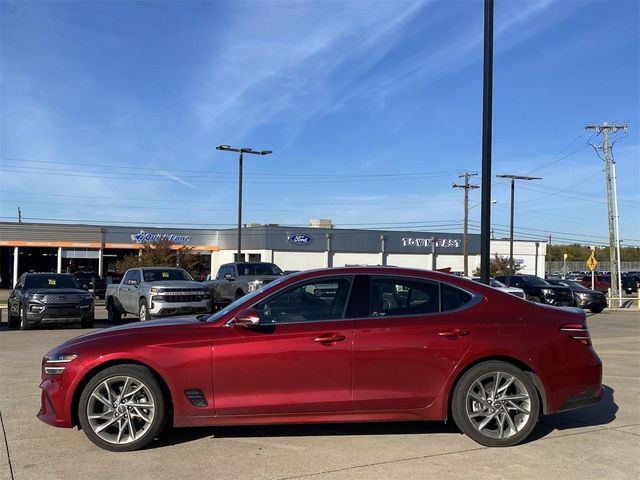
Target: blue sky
<point>111,112</point>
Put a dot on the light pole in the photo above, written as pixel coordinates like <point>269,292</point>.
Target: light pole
<point>513,187</point>
<point>241,151</point>
<point>537,246</point>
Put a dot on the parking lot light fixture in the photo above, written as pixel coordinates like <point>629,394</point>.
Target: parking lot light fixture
<point>241,151</point>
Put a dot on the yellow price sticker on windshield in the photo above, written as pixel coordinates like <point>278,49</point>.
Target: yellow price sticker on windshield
<point>165,274</point>
<point>52,281</point>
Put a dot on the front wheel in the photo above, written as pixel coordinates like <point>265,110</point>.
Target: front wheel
<point>14,320</point>
<point>143,311</point>
<point>122,408</point>
<point>24,324</point>
<point>596,310</point>
<point>496,404</point>
<point>534,299</point>
<point>87,323</point>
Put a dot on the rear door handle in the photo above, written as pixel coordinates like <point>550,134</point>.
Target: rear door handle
<point>453,332</point>
<point>329,339</point>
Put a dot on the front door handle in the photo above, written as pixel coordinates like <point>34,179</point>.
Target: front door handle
<point>453,332</point>
<point>329,338</point>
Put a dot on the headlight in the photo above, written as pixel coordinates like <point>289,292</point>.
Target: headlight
<point>57,358</point>
<point>583,296</point>
<point>255,285</point>
<point>547,291</point>
<point>86,298</point>
<point>38,297</point>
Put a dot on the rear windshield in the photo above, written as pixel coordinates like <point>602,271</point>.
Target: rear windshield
<point>50,281</point>
<point>164,274</point>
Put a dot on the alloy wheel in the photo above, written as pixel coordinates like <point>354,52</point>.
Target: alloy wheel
<point>498,405</point>
<point>120,410</point>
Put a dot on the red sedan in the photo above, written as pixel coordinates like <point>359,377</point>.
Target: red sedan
<point>362,344</point>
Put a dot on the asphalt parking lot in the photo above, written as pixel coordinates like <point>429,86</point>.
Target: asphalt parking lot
<point>601,442</point>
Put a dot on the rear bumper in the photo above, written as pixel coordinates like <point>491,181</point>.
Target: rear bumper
<point>583,399</point>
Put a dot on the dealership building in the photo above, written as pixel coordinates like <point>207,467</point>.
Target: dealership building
<point>67,248</point>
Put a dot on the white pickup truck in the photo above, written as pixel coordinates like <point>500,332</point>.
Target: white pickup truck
<point>156,292</point>
<point>234,280</point>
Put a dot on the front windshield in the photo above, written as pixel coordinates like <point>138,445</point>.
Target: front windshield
<point>50,281</point>
<point>496,283</point>
<point>534,281</point>
<point>253,269</point>
<point>165,274</point>
<point>573,285</point>
<point>221,313</point>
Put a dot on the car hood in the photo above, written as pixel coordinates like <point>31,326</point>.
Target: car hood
<point>54,291</point>
<point>135,328</point>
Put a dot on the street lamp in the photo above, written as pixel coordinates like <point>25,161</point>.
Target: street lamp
<point>241,151</point>
<point>513,181</point>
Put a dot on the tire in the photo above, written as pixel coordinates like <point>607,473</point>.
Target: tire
<point>24,325</point>
<point>88,323</point>
<point>113,314</point>
<point>136,420</point>
<point>143,311</point>
<point>512,421</point>
<point>596,310</point>
<point>239,294</point>
<point>13,321</point>
<point>534,299</point>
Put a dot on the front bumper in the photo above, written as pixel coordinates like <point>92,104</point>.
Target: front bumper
<point>42,314</point>
<point>160,308</point>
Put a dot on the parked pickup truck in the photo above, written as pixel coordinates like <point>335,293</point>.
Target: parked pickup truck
<point>156,292</point>
<point>235,280</point>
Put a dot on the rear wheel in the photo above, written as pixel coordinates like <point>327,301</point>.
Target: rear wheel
<point>122,408</point>
<point>496,404</point>
<point>113,314</point>
<point>596,310</point>
<point>239,294</point>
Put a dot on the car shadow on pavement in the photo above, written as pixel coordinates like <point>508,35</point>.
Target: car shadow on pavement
<point>602,413</point>
<point>176,436</point>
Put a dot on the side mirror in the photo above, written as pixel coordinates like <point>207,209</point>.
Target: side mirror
<point>248,318</point>
<point>228,276</point>
<point>133,282</point>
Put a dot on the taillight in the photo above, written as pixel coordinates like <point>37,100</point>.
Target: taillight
<point>578,331</point>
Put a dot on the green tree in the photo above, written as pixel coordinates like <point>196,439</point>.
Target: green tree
<point>161,253</point>
<point>498,266</point>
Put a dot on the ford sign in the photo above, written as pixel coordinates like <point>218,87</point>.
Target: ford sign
<point>300,239</point>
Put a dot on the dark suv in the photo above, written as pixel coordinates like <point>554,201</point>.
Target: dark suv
<point>92,282</point>
<point>587,299</point>
<point>44,298</point>
<point>539,291</point>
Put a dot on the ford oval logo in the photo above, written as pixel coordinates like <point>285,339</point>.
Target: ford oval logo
<point>300,239</point>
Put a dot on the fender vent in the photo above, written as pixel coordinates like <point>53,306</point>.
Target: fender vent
<point>196,397</point>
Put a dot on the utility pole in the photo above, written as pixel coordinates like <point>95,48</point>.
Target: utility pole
<point>605,129</point>
<point>465,242</point>
<point>513,179</point>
